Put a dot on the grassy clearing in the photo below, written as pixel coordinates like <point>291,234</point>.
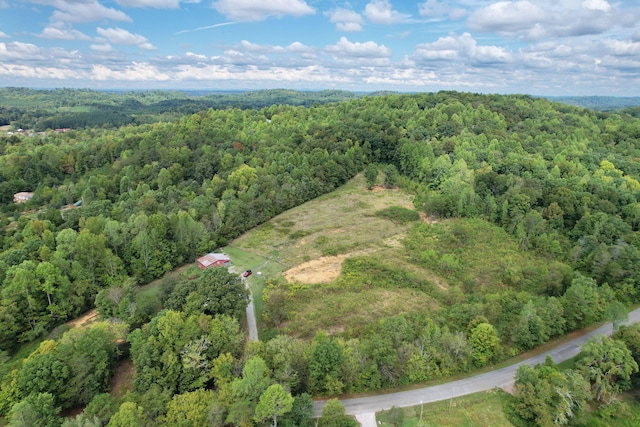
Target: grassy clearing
<point>268,269</point>
<point>350,311</point>
<point>341,222</point>
<point>479,409</point>
<point>480,256</point>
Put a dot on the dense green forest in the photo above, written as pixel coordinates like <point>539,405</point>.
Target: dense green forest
<point>561,183</point>
<point>40,110</point>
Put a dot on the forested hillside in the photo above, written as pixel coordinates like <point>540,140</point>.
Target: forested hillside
<point>556,185</point>
<point>40,110</point>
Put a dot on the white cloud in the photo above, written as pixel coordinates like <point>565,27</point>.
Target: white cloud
<point>135,72</point>
<point>368,49</point>
<point>295,47</point>
<point>3,4</point>
<point>25,53</point>
<point>346,20</point>
<point>59,31</point>
<point>507,16</point>
<point>158,4</point>
<point>124,37</point>
<point>622,47</point>
<point>602,5</point>
<point>258,10</point>
<point>549,19</point>
<point>82,11</point>
<point>102,48</point>
<point>461,48</point>
<point>438,9</point>
<point>381,12</point>
<point>4,35</point>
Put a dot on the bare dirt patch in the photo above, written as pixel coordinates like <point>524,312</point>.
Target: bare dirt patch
<point>84,320</point>
<point>428,219</point>
<point>322,270</point>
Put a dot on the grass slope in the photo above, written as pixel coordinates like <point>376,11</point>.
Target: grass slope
<point>350,262</point>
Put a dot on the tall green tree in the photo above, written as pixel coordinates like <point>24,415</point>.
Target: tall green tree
<point>274,402</point>
<point>607,363</point>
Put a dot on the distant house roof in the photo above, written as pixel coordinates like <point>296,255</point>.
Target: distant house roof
<point>213,258</point>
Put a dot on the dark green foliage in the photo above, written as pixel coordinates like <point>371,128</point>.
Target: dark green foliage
<point>546,396</point>
<point>176,351</point>
<point>399,214</point>
<point>300,414</point>
<point>215,291</point>
<point>334,415</point>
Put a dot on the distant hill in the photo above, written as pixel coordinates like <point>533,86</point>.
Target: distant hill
<point>602,103</point>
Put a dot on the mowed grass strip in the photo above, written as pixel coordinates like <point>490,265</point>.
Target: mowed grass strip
<point>475,410</point>
<point>268,269</point>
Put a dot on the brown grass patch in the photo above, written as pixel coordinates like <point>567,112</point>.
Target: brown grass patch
<point>86,319</point>
<point>122,380</point>
<point>322,270</point>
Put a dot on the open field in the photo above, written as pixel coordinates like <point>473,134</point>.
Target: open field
<point>475,410</point>
<point>341,222</point>
<point>263,270</point>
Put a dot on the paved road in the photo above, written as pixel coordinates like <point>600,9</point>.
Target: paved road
<point>363,407</point>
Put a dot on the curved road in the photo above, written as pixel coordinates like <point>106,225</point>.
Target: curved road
<point>364,408</point>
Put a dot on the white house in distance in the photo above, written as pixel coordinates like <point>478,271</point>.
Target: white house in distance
<point>213,260</point>
<point>22,197</point>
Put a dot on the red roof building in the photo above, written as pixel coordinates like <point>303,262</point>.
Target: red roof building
<point>213,260</point>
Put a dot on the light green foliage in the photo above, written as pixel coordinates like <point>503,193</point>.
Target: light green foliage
<point>247,391</point>
<point>82,420</point>
<point>371,175</point>
<point>484,344</point>
<point>274,402</point>
<point>324,361</point>
<point>334,415</point>
<point>36,410</point>
<point>546,396</point>
<point>129,415</point>
<point>190,409</point>
<point>606,363</point>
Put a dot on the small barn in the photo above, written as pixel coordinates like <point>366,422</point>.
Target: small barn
<point>213,260</point>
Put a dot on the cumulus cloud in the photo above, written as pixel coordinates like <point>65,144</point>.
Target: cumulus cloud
<point>3,35</point>
<point>548,19</point>
<point>463,48</point>
<point>381,12</point>
<point>621,47</point>
<point>440,9</point>
<point>101,48</point>
<point>368,49</point>
<point>124,37</point>
<point>258,10</point>
<point>30,53</point>
<point>59,31</point>
<point>295,47</point>
<point>346,20</point>
<point>76,11</point>
<point>135,72</point>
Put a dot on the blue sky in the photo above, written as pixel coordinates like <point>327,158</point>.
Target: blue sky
<point>540,47</point>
